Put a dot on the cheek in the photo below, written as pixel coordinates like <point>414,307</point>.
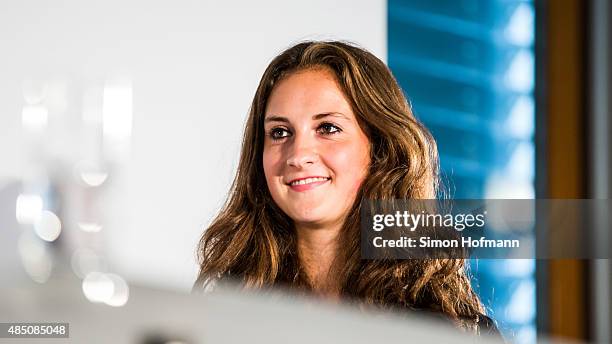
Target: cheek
<point>272,166</point>
<point>351,165</point>
<point>358,181</point>
<point>268,167</point>
<point>362,165</point>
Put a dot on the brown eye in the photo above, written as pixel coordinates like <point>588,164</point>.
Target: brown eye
<point>279,133</point>
<point>329,129</point>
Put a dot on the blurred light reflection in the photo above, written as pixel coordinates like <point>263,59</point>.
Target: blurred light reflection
<point>121,291</point>
<point>110,289</point>
<point>117,118</point>
<point>520,122</point>
<point>35,257</point>
<point>520,26</point>
<point>97,287</point>
<point>90,174</point>
<point>48,226</point>
<point>90,227</point>
<point>519,76</point>
<point>28,208</point>
<point>84,261</point>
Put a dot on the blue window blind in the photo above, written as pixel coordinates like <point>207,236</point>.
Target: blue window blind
<point>467,67</point>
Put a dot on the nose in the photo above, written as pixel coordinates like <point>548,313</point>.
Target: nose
<point>302,152</point>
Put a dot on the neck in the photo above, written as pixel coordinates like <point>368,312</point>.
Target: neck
<point>317,249</point>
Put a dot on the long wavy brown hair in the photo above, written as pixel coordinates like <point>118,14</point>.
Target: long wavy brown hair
<point>251,240</point>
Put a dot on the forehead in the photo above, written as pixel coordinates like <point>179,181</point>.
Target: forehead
<point>306,93</point>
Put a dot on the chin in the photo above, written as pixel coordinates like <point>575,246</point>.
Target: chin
<point>307,215</point>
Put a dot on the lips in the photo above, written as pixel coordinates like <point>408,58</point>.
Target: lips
<point>307,180</point>
<point>307,183</point>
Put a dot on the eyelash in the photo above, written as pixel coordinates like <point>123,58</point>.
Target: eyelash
<point>327,125</point>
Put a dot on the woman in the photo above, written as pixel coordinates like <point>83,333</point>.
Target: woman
<point>330,127</point>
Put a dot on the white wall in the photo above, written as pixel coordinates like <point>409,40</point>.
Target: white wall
<point>194,67</point>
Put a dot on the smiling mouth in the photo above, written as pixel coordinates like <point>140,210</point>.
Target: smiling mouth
<point>307,181</point>
<point>307,184</point>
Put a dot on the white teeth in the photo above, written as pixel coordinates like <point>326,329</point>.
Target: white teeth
<point>308,181</point>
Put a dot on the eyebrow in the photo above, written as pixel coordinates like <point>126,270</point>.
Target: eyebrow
<point>275,118</point>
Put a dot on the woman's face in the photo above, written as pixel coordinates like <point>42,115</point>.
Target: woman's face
<point>315,154</point>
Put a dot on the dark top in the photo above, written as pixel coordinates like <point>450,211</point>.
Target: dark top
<point>486,326</point>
